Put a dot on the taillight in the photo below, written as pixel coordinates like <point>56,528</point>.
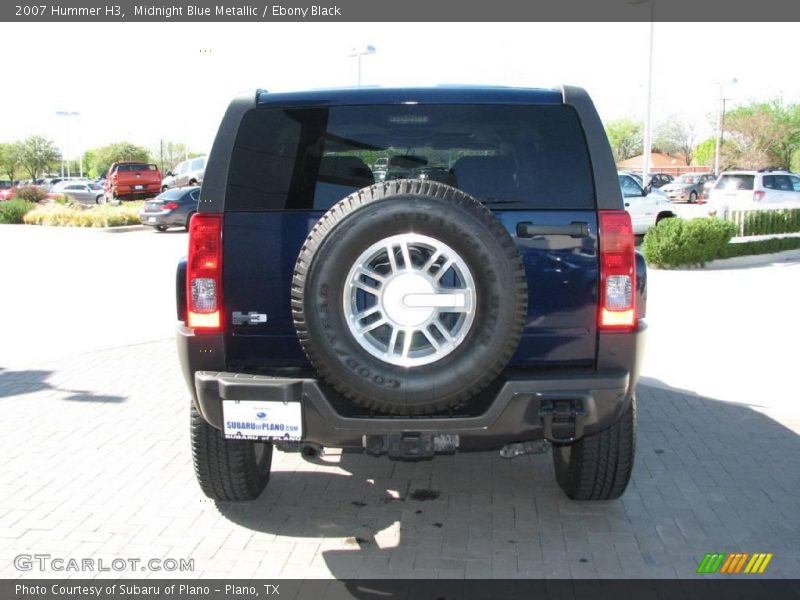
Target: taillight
<point>758,196</point>
<point>617,270</point>
<point>204,272</point>
<point>170,206</point>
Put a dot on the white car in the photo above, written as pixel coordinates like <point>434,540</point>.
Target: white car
<point>646,208</point>
<point>754,189</point>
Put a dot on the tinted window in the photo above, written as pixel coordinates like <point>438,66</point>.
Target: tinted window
<point>795,183</point>
<point>509,156</point>
<point>629,186</point>
<point>172,194</point>
<point>735,182</point>
<point>136,167</point>
<point>778,182</point>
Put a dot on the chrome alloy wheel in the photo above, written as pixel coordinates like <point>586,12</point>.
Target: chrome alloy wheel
<point>409,300</point>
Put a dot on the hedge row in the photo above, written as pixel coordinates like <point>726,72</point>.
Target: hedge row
<point>760,247</point>
<point>767,222</point>
<point>96,216</point>
<point>675,242</point>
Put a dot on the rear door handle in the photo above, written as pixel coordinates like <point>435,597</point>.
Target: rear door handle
<point>576,229</point>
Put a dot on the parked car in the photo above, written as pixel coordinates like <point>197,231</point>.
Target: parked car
<point>173,208</point>
<point>752,189</point>
<point>409,318</point>
<point>188,172</point>
<point>646,207</point>
<point>6,190</point>
<point>168,181</point>
<point>655,181</point>
<point>687,187</point>
<point>131,180</point>
<point>84,192</point>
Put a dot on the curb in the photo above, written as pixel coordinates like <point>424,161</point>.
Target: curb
<point>123,228</point>
<point>741,262</point>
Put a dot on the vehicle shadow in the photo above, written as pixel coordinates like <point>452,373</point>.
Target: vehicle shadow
<point>18,383</point>
<point>710,476</point>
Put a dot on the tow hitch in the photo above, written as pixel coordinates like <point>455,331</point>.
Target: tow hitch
<point>411,445</point>
<point>562,419</point>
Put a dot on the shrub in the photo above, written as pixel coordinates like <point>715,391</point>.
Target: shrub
<point>760,247</point>
<point>31,193</point>
<point>766,222</point>
<point>675,242</point>
<point>14,210</point>
<point>96,216</point>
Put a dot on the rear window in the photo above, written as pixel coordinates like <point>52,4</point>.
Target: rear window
<point>735,182</point>
<point>198,164</point>
<point>778,182</point>
<point>511,157</point>
<point>136,167</point>
<point>173,194</point>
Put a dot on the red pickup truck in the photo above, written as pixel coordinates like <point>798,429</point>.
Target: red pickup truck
<point>131,180</point>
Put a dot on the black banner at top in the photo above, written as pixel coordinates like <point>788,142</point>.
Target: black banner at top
<point>399,11</point>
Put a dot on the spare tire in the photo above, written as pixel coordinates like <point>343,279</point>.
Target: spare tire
<point>409,297</point>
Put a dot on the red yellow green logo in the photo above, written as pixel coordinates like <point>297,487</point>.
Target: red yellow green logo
<point>734,562</point>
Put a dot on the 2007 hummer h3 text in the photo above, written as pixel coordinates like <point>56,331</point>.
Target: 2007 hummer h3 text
<point>409,272</point>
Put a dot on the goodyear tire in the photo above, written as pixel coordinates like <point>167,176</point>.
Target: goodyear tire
<point>409,297</point>
<point>228,470</point>
<point>599,466</point>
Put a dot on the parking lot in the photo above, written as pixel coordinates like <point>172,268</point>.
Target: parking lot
<point>97,464</point>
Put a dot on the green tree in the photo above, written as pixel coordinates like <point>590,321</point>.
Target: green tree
<point>676,136</point>
<point>38,155</point>
<point>766,134</point>
<point>10,160</point>
<point>104,156</point>
<point>625,137</point>
<point>168,154</point>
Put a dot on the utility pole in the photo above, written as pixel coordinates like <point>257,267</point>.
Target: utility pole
<point>720,124</point>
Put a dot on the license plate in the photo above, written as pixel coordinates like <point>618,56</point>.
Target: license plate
<point>151,220</point>
<point>138,187</point>
<point>262,420</point>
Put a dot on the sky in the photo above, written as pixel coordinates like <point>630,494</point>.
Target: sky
<point>146,82</point>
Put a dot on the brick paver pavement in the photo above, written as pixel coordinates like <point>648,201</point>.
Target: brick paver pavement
<point>96,464</point>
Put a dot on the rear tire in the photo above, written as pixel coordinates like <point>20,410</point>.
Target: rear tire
<point>228,470</point>
<point>599,466</point>
<point>693,198</point>
<point>188,220</point>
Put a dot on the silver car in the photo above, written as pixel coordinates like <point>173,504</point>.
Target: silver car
<point>83,192</point>
<point>687,187</point>
<point>188,172</point>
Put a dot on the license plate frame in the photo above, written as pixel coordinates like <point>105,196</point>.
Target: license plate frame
<point>262,420</point>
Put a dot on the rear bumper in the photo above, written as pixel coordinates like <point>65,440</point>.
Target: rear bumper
<point>513,412</point>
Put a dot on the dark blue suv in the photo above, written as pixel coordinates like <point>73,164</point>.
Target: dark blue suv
<point>483,292</point>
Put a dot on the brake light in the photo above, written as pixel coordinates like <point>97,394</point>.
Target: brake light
<point>617,271</point>
<point>758,196</point>
<point>204,272</point>
<point>170,206</point>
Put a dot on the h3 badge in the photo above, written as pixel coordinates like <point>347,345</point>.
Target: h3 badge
<point>250,318</point>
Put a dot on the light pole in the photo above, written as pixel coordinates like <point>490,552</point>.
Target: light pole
<point>647,146</point>
<point>67,114</point>
<point>720,119</point>
<point>358,53</point>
